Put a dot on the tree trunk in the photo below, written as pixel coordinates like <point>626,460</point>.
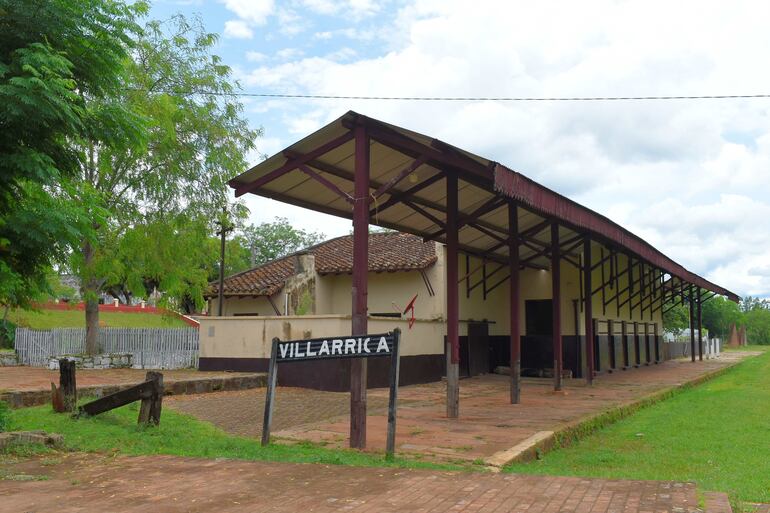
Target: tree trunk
<point>90,294</point>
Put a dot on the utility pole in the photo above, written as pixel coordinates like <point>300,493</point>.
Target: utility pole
<point>224,228</point>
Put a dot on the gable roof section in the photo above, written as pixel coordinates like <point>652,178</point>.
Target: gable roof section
<point>388,252</point>
<point>418,205</point>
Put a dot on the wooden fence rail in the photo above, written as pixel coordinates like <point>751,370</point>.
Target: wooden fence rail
<point>152,348</point>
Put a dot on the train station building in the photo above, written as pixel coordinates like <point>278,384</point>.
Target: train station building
<point>506,272</point>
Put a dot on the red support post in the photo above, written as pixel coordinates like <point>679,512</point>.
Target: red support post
<point>515,328</point>
<point>588,311</point>
<point>700,327</point>
<point>556,302</point>
<point>358,369</point>
<point>452,299</point>
<point>692,325</point>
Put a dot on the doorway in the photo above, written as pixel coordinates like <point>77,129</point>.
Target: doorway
<point>537,344</point>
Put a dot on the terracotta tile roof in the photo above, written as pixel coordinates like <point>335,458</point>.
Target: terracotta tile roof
<point>388,252</point>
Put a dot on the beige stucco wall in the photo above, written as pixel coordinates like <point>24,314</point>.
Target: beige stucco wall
<point>535,284</point>
<point>612,307</point>
<point>251,337</point>
<point>388,292</point>
<point>247,305</point>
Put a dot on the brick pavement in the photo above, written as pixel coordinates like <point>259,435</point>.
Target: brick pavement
<point>487,426</point>
<point>240,412</point>
<point>80,482</point>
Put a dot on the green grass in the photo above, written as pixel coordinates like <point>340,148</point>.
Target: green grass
<point>716,434</point>
<point>49,319</point>
<point>182,435</point>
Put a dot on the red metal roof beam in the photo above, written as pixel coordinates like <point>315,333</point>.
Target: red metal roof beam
<point>290,165</point>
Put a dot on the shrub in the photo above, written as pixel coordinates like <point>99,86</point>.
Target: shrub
<point>5,416</point>
<point>7,334</point>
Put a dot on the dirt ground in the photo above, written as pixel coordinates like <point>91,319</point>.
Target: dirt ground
<point>19,379</point>
<point>91,483</point>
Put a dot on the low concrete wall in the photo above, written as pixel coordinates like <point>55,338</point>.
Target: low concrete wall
<point>202,385</point>
<point>8,359</point>
<point>243,344</point>
<point>96,361</point>
<point>251,337</point>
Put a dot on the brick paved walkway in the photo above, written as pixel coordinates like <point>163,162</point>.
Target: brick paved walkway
<point>169,484</point>
<point>240,412</point>
<point>488,424</point>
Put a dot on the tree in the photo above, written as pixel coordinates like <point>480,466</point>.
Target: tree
<point>176,136</point>
<point>758,326</point>
<point>51,53</point>
<point>750,303</point>
<point>270,240</point>
<point>676,317</point>
<point>719,314</point>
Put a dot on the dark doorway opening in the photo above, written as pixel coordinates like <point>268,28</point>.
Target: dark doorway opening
<point>537,344</point>
<point>538,317</point>
<point>475,350</point>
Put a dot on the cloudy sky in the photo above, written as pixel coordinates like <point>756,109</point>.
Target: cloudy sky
<point>691,177</point>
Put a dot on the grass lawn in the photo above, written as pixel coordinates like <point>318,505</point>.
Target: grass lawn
<point>716,434</point>
<point>49,319</point>
<point>182,435</point>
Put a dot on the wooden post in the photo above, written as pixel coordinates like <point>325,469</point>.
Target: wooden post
<point>514,299</point>
<point>358,366</point>
<point>656,338</point>
<point>452,301</point>
<point>390,447</point>
<point>66,397</point>
<point>150,409</point>
<point>588,306</point>
<point>272,380</point>
<point>556,305</point>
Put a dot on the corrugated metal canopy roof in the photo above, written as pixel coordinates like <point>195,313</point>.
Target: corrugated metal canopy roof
<point>417,202</point>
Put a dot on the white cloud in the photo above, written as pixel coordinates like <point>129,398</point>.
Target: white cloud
<point>287,54</point>
<point>355,9</point>
<point>238,29</point>
<point>290,23</point>
<point>692,177</point>
<point>251,11</point>
<point>255,56</point>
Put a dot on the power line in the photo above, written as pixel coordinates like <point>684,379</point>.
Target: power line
<point>478,98</point>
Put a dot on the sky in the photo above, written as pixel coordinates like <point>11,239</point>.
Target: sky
<point>690,177</point>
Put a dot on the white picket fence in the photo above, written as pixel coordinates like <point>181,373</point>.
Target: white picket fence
<point>153,348</point>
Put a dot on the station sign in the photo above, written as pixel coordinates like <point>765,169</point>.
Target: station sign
<point>335,347</point>
<point>346,346</point>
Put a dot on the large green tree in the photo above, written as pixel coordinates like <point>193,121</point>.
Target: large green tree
<point>164,176</point>
<point>53,54</point>
<point>758,326</point>
<point>270,240</point>
<point>676,317</point>
<point>719,314</point>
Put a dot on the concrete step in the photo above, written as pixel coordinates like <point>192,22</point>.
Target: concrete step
<point>717,502</point>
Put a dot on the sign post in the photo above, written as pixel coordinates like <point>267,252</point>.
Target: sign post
<point>366,346</point>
